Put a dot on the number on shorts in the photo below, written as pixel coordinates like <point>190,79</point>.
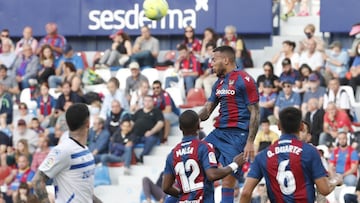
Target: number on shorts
<point>285,175</point>
<point>188,183</point>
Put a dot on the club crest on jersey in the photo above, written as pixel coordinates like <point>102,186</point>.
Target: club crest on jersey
<point>231,82</point>
<point>212,158</point>
<point>247,78</point>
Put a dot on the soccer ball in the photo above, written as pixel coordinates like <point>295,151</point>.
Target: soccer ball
<point>155,9</point>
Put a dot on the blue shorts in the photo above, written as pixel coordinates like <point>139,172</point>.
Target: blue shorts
<point>228,142</point>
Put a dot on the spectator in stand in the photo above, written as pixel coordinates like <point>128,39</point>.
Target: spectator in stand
<point>335,93</point>
<point>55,40</point>
<point>26,39</point>
<point>335,120</point>
<point>146,49</point>
<point>21,148</point>
<point>148,125</point>
<point>353,198</point>
<point>119,53</point>
<point>41,152</point>
<point>191,42</point>
<point>7,56</point>
<point>98,140</point>
<point>208,78</point>
<point>267,101</point>
<point>35,125</point>
<point>290,5</point>
<point>290,74</point>
<point>21,131</point>
<point>243,58</point>
<point>344,160</point>
<point>60,132</point>
<point>312,56</point>
<point>6,106</point>
<point>336,63</point>
<point>210,37</point>
<point>287,51</point>
<point>69,56</point>
<point>287,97</point>
<point>67,95</point>
<point>164,102</point>
<point>313,90</point>
<point>26,67</point>
<point>120,146</point>
<point>306,44</point>
<point>134,80</point>
<point>116,115</point>
<point>268,76</point>
<point>47,64</point>
<point>46,107</point>
<point>315,117</point>
<point>137,97</point>
<point>24,194</point>
<point>188,67</point>
<point>265,137</point>
<point>355,70</point>
<point>113,93</point>
<point>23,114</point>
<point>5,34</point>
<point>10,84</point>
<point>153,190</point>
<point>23,173</point>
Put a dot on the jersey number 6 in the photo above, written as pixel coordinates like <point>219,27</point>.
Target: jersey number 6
<point>285,179</point>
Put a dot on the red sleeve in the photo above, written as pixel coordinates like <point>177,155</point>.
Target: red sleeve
<point>167,99</point>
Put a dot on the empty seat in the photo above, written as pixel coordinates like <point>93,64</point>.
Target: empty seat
<point>195,97</point>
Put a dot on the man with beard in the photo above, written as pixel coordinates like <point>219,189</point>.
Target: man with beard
<point>238,121</point>
<point>289,74</point>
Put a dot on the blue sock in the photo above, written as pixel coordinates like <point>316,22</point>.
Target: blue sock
<point>227,195</point>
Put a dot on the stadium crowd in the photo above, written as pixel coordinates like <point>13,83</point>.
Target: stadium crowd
<point>307,75</point>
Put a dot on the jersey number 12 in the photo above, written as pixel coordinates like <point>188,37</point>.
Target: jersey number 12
<point>188,183</point>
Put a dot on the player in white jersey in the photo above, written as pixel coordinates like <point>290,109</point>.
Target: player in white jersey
<point>70,163</point>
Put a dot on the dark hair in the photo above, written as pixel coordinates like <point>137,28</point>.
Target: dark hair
<point>70,65</point>
<point>45,84</point>
<point>189,122</point>
<point>76,116</point>
<point>357,52</point>
<point>210,44</point>
<point>42,57</point>
<point>182,47</point>
<point>290,43</point>
<point>3,67</point>
<point>212,31</point>
<point>115,81</point>
<point>186,40</point>
<point>227,50</point>
<point>66,83</point>
<point>157,82</point>
<point>268,63</point>
<point>290,120</point>
<point>307,125</point>
<point>264,120</point>
<point>125,37</point>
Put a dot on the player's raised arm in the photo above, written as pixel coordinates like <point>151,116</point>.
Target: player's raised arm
<point>253,128</point>
<point>205,112</point>
<point>39,184</point>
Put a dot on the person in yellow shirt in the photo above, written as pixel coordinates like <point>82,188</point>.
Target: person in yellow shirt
<point>265,136</point>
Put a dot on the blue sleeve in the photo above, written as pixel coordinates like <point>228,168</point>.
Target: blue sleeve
<point>297,99</point>
<point>169,166</point>
<point>213,97</point>
<point>354,156</point>
<point>52,102</point>
<point>30,176</point>
<point>78,62</point>
<point>356,61</point>
<point>103,142</point>
<point>277,102</point>
<point>317,168</point>
<point>204,155</point>
<point>255,168</point>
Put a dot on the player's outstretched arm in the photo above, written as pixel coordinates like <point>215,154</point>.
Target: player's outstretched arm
<point>253,128</point>
<point>167,185</point>
<point>326,185</point>
<point>39,184</point>
<point>214,174</point>
<point>249,186</point>
<point>205,112</point>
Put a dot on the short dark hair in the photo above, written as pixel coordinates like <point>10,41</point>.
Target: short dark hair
<point>76,116</point>
<point>265,120</point>
<point>189,122</point>
<point>227,50</point>
<point>157,82</point>
<point>3,67</point>
<point>290,120</point>
<point>182,47</point>
<point>115,81</point>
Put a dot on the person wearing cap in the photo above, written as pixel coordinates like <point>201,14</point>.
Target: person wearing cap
<point>26,67</point>
<point>21,131</point>
<point>287,98</point>
<point>118,53</point>
<point>134,80</point>
<point>289,74</point>
<point>145,49</point>
<point>267,100</point>
<point>312,56</point>
<point>314,90</point>
<point>10,84</point>
<point>53,38</point>
<point>354,32</point>
<point>336,63</point>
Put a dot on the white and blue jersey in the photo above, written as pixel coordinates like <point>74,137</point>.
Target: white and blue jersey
<point>71,165</point>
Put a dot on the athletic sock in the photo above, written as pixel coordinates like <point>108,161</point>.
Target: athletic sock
<point>227,195</point>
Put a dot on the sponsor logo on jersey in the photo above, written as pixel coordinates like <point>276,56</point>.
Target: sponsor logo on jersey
<point>224,92</point>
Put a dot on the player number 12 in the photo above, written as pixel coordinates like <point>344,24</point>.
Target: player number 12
<point>188,183</point>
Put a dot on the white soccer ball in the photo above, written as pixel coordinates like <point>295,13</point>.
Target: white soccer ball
<point>155,9</point>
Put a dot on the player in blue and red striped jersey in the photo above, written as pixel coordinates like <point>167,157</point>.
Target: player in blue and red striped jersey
<point>238,121</point>
<point>192,163</point>
<point>290,166</point>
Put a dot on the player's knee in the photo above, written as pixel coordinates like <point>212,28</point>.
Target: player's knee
<point>229,182</point>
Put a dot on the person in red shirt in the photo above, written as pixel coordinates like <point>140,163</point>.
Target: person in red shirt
<point>335,120</point>
<point>187,66</point>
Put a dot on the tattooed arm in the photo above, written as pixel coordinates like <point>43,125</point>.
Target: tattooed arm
<point>249,149</point>
<point>39,184</point>
<point>206,111</point>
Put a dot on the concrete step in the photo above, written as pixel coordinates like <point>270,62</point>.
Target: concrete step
<point>295,25</point>
<point>116,193</point>
<point>137,172</point>
<point>161,150</point>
